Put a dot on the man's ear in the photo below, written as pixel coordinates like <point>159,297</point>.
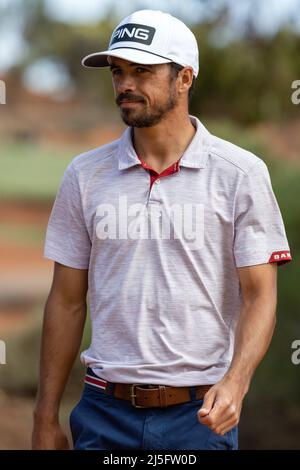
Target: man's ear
<point>186,79</point>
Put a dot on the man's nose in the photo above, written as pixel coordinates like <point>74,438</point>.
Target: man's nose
<point>125,84</point>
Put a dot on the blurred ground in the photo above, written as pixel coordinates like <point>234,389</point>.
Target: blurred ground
<point>25,280</point>
<point>25,275</point>
<point>16,422</point>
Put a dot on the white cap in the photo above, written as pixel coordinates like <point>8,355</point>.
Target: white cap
<point>150,37</point>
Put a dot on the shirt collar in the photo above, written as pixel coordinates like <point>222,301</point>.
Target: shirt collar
<point>195,155</point>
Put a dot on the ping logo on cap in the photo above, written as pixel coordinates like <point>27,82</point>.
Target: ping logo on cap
<point>133,32</point>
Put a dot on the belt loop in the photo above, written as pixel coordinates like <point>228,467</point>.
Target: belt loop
<point>192,392</point>
<point>162,396</point>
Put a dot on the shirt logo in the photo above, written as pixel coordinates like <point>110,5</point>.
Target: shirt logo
<point>280,257</point>
<point>133,32</point>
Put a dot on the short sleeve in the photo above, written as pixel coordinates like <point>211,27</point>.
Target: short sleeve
<point>259,233</point>
<point>67,239</point>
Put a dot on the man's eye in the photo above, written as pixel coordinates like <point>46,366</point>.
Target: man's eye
<point>141,69</point>
<point>116,71</point>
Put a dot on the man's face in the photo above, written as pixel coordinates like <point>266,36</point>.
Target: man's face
<point>144,93</point>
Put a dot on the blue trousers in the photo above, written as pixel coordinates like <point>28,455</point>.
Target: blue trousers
<point>102,422</point>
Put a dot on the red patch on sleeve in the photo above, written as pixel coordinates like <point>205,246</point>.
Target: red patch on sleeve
<point>280,257</point>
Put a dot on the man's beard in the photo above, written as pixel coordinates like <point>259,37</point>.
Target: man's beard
<point>148,117</point>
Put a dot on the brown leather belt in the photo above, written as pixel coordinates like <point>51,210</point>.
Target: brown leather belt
<point>148,396</point>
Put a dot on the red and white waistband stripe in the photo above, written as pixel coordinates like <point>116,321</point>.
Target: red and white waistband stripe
<point>96,382</point>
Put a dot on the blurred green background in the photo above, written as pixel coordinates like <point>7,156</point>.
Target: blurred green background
<point>249,59</point>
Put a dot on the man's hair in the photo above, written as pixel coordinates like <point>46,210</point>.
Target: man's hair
<point>175,69</point>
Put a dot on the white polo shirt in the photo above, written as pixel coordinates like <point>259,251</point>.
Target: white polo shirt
<point>164,291</point>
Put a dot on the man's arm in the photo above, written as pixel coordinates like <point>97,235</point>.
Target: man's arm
<point>222,403</point>
<point>64,319</point>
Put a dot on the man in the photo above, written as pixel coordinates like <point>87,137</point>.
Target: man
<point>177,234</point>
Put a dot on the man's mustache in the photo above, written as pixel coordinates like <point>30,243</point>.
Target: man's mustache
<point>128,97</point>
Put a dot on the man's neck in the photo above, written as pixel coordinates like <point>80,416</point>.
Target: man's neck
<point>161,145</point>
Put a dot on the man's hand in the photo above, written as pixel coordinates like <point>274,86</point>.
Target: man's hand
<point>49,436</point>
<point>222,405</point>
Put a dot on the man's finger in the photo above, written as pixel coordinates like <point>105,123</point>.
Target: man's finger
<point>207,404</point>
<point>225,427</point>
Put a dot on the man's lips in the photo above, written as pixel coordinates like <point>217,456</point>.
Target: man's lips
<point>129,102</point>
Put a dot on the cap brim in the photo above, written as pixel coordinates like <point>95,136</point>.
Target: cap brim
<point>99,59</point>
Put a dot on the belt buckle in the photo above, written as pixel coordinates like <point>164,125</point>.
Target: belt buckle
<point>133,396</point>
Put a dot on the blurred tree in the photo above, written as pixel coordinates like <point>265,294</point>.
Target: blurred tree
<point>247,78</point>
<point>61,42</point>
